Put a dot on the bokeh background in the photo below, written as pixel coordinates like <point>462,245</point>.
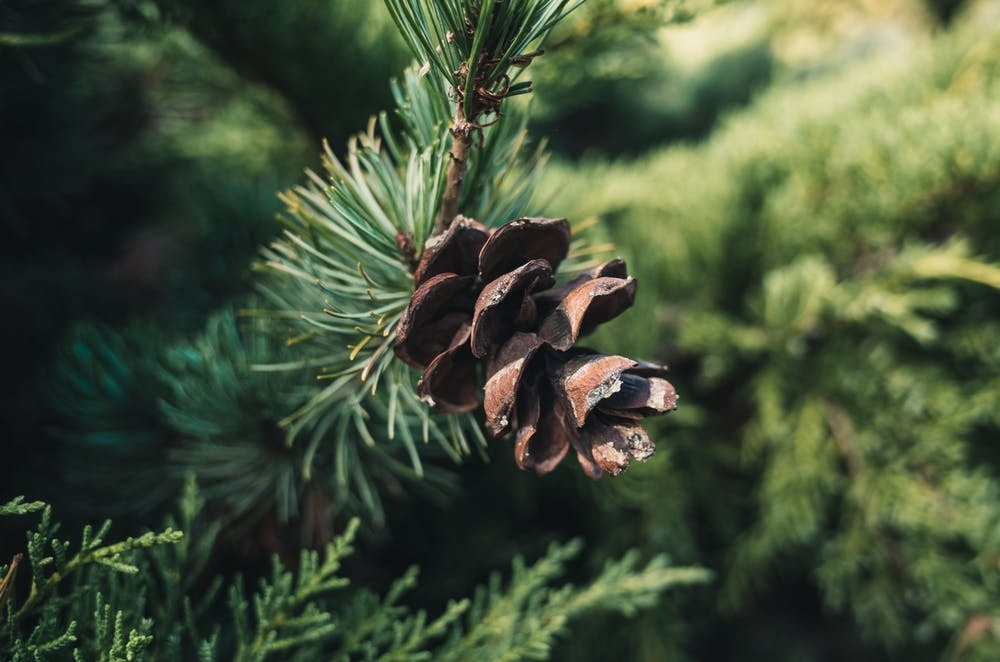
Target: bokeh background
<point>808,193</point>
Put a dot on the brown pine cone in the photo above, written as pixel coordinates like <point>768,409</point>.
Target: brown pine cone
<point>489,297</point>
<point>471,288</point>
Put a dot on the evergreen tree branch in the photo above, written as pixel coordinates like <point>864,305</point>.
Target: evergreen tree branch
<point>279,607</point>
<point>301,614</point>
<point>92,553</point>
<point>472,45</point>
<point>523,620</point>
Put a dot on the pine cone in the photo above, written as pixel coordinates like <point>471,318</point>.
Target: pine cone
<point>471,288</point>
<point>489,297</point>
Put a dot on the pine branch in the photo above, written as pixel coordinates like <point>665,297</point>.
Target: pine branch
<point>472,45</point>
<point>378,210</point>
<point>340,278</point>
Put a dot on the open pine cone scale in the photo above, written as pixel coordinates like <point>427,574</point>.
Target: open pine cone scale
<point>487,298</point>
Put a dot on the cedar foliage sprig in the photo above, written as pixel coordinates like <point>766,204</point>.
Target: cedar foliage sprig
<point>517,619</point>
<point>40,625</point>
<point>523,621</point>
<point>159,610</point>
<point>18,506</point>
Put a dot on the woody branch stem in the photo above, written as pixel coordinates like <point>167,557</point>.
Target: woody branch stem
<point>461,145</point>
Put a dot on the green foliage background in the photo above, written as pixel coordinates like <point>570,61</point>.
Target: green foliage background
<point>814,239</point>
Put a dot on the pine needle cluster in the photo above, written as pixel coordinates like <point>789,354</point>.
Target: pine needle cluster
<point>340,278</point>
<point>140,411</point>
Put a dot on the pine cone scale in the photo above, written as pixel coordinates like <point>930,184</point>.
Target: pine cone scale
<point>585,307</point>
<point>521,241</point>
<point>436,311</point>
<point>449,382</point>
<point>499,305</point>
<point>543,439</point>
<point>640,397</point>
<point>548,300</point>
<point>456,251</point>
<point>613,445</point>
<point>585,381</point>
<point>504,378</point>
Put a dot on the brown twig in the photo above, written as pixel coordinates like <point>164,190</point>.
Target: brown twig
<point>486,102</point>
<point>461,145</point>
<point>7,583</point>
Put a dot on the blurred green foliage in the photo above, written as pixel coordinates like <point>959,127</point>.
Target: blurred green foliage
<point>610,66</point>
<point>823,275</point>
<point>143,149</point>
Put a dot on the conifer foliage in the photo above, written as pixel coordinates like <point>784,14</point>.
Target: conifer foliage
<point>145,598</point>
